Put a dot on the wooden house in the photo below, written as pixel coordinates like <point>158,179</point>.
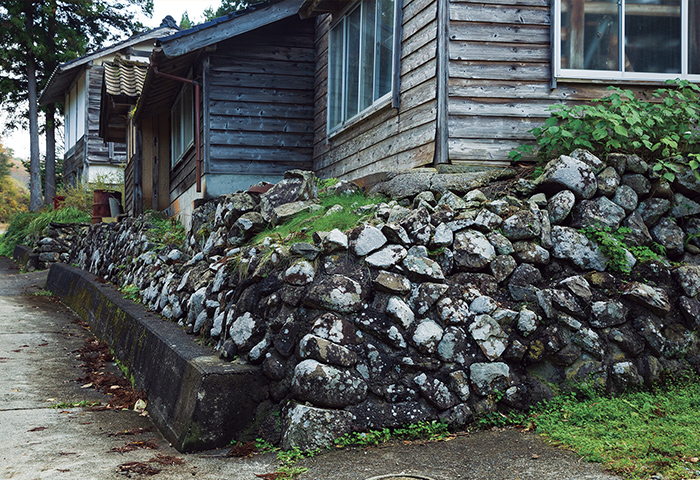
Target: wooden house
<point>471,78</point>
<point>77,84</point>
<point>225,104</point>
<point>355,88</point>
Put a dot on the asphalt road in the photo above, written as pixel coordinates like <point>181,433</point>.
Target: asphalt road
<point>39,368</point>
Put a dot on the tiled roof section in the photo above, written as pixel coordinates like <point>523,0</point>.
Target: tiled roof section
<point>217,21</point>
<point>125,77</point>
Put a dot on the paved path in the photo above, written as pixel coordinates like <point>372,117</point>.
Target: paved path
<point>39,368</point>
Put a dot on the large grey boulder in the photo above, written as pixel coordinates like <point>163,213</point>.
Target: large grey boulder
<point>327,386</point>
<point>489,335</point>
<point>653,298</point>
<point>522,225</point>
<point>337,293</point>
<point>568,173</point>
<point>472,250</point>
<point>599,211</point>
<point>308,428</point>
<point>487,378</point>
<point>560,205</point>
<point>570,244</point>
<point>297,185</point>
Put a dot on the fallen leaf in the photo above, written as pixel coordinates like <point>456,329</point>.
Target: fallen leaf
<point>63,470</point>
<point>535,456</point>
<point>270,476</point>
<point>137,467</point>
<point>87,385</point>
<point>37,429</point>
<point>242,450</point>
<point>167,460</point>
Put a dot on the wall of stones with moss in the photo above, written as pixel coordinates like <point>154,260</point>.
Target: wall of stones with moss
<point>457,297</point>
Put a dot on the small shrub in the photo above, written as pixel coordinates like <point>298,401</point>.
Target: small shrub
<point>664,131</point>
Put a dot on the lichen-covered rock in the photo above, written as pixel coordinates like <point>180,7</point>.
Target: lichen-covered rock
<point>401,312</point>
<point>688,277</point>
<point>608,180</point>
<point>560,205</point>
<point>337,293</point>
<point>653,298</point>
<point>487,378</point>
<point>522,225</point>
<point>670,235</point>
<point>301,273</point>
<point>571,174</point>
<point>652,209</point>
<point>626,198</point>
<point>684,207</point>
<point>599,211</point>
<point>435,392</point>
<point>325,351</point>
<point>296,186</point>
<point>421,269</point>
<point>606,314</point>
<point>308,428</point>
<point>570,244</point>
<point>387,257</point>
<point>427,336</point>
<point>327,386</point>
<point>489,336</point>
<point>472,250</point>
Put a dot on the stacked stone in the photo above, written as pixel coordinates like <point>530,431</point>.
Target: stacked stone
<point>56,242</point>
<point>439,302</point>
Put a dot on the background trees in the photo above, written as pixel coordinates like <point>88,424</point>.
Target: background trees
<point>35,37</point>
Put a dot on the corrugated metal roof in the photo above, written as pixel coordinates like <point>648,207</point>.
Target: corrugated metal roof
<point>124,77</point>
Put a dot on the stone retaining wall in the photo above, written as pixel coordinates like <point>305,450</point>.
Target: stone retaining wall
<point>444,306</point>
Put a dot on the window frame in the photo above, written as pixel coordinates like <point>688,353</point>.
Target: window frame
<point>380,102</point>
<point>621,75</point>
<point>177,155</point>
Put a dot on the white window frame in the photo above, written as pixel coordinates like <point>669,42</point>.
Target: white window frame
<point>621,75</point>
<point>181,145</point>
<point>379,102</point>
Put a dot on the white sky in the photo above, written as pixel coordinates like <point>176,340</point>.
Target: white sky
<point>18,140</point>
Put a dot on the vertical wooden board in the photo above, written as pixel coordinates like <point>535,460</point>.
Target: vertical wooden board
<point>164,156</point>
<point>150,132</point>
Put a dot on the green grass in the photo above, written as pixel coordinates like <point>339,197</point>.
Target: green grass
<point>302,226</point>
<point>82,403</point>
<point>636,434</point>
<point>166,231</point>
<point>25,226</point>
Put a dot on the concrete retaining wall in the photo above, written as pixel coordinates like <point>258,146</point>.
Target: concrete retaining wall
<point>195,399</point>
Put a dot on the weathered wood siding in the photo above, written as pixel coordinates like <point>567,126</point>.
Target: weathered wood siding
<point>155,152</point>
<point>499,77</point>
<point>98,152</point>
<point>260,93</point>
<point>73,162</point>
<point>389,139</point>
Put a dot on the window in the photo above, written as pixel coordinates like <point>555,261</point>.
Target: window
<point>360,67</point>
<point>182,123</point>
<point>627,39</point>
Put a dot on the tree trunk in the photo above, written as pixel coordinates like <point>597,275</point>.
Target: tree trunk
<point>50,185</point>
<point>34,165</point>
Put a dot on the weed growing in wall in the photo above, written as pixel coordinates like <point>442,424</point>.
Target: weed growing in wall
<point>664,130</point>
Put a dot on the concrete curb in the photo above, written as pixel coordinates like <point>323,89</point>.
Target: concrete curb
<point>25,257</point>
<point>196,400</point>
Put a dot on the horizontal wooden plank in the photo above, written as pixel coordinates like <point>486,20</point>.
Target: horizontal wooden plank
<point>534,72</point>
<point>273,67</point>
<point>498,107</point>
<point>242,167</point>
<point>470,149</point>
<point>510,14</point>
<point>268,154</point>
<point>261,110</point>
<point>263,80</point>
<point>499,52</point>
<point>258,124</point>
<point>260,95</point>
<point>477,127</point>
<point>260,139</point>
<point>485,32</point>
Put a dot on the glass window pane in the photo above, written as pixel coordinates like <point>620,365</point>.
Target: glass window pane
<point>385,47</point>
<point>653,32</point>
<point>352,71</point>
<point>335,76</point>
<point>694,40</point>
<point>590,34</point>
<point>176,132</point>
<point>367,61</point>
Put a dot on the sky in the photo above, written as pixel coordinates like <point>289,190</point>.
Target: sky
<point>18,140</point>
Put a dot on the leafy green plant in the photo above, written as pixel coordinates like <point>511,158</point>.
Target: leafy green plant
<point>26,227</point>
<point>612,245</point>
<point>165,230</point>
<point>432,430</point>
<point>664,130</point>
<point>302,226</point>
<point>131,292</point>
<point>637,434</point>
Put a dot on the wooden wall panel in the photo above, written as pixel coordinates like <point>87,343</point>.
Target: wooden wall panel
<point>261,101</point>
<point>386,139</point>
